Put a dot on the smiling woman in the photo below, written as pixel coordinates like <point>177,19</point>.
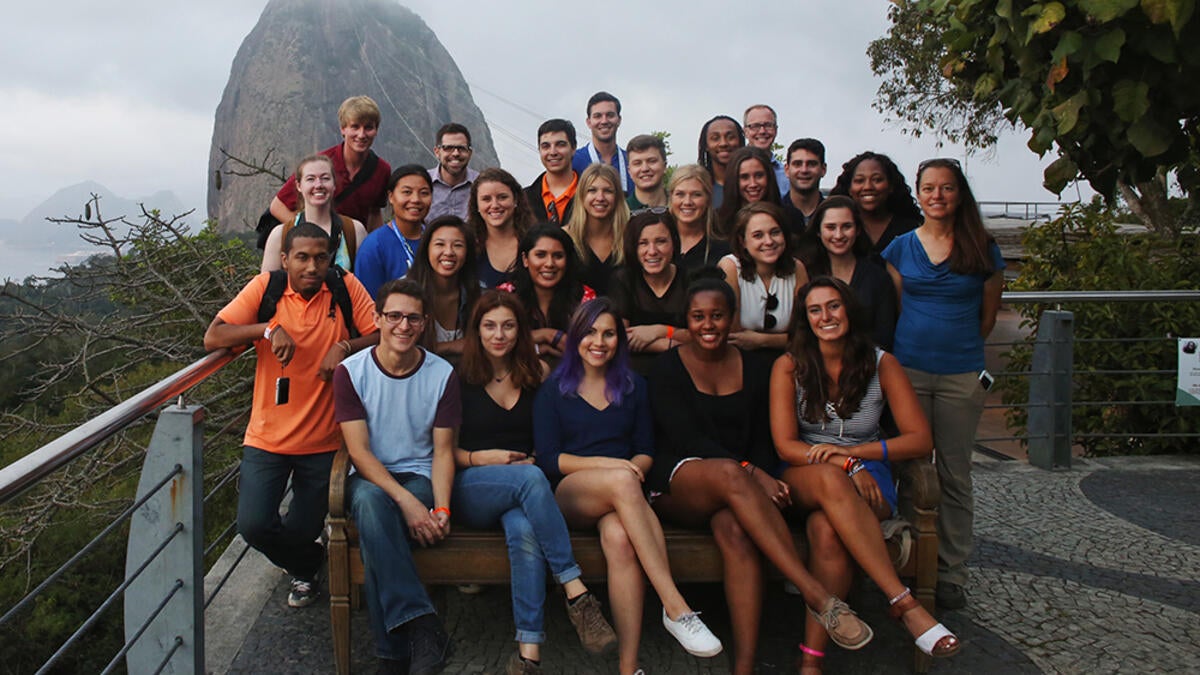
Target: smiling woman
<point>316,185</point>
<point>445,267</point>
<point>391,250</point>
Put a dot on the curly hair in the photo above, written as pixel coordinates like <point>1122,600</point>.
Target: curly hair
<point>899,203</point>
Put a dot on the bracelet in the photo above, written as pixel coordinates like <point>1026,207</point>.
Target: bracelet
<point>558,335</point>
<point>345,345</point>
<point>846,465</point>
<point>857,467</point>
<point>470,458</point>
<point>883,442</point>
<point>271,326</point>
<point>812,652</point>
<point>670,333</point>
<point>440,509</point>
<point>747,465</point>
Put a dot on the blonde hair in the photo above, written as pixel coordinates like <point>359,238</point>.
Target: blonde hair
<point>700,174</point>
<point>576,227</point>
<point>358,109</point>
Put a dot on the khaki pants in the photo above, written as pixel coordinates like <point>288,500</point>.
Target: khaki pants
<point>953,404</point>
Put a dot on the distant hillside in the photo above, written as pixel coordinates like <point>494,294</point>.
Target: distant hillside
<point>33,245</point>
<point>302,59</point>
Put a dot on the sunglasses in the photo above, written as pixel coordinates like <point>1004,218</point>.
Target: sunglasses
<point>939,161</point>
<point>769,320</point>
<point>656,210</point>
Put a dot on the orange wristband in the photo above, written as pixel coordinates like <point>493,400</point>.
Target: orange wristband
<point>439,510</point>
<point>670,332</point>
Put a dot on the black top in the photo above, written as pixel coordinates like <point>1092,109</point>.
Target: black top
<point>595,272</point>
<point>898,226</point>
<point>694,258</point>
<point>533,195</point>
<point>685,426</point>
<point>489,276</point>
<point>638,303</point>
<point>877,294</point>
<point>487,426</point>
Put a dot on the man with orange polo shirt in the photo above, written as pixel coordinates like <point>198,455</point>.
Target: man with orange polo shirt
<point>291,432</point>
<point>550,194</point>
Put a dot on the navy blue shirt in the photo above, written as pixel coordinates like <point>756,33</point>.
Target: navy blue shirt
<point>569,424</point>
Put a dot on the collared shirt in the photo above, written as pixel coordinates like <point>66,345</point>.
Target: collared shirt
<point>561,201</point>
<point>781,178</point>
<point>587,155</point>
<point>303,425</point>
<point>366,198</point>
<point>450,200</point>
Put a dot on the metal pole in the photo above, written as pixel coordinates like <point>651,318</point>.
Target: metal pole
<point>1050,391</point>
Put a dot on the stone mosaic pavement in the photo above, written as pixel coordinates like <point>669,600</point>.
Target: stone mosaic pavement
<point>1090,570</point>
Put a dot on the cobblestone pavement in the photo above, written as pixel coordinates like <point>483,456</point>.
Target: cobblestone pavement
<point>1091,570</point>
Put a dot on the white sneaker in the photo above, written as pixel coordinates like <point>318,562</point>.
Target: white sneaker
<point>695,638</point>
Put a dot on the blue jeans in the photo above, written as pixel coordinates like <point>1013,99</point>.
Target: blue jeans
<point>518,497</point>
<point>289,541</point>
<point>394,593</point>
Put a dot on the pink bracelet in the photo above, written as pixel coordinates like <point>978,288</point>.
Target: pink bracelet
<point>812,652</point>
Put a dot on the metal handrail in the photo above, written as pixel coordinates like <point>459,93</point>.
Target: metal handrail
<point>31,468</point>
<point>1018,297</point>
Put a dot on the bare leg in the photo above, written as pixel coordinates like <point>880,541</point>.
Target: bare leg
<point>826,488</point>
<point>743,587</point>
<point>626,589</point>
<point>831,564</point>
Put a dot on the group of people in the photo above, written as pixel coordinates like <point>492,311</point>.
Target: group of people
<point>727,349</point>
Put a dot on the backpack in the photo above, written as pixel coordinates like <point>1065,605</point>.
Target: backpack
<point>267,222</point>
<point>340,226</point>
<point>337,288</point>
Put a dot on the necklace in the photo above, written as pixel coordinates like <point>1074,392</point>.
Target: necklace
<point>501,378</point>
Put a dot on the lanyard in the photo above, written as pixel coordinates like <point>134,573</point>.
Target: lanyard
<point>624,170</point>
<point>404,242</point>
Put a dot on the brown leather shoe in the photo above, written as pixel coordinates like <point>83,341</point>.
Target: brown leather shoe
<point>594,630</point>
<point>843,625</point>
<point>519,666</point>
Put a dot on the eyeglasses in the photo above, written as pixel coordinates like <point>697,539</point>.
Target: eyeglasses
<point>394,318</point>
<point>655,210</point>
<point>456,148</point>
<point>761,126</point>
<point>769,320</point>
<point>939,161</point>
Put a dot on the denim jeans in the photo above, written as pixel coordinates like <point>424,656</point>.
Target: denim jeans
<point>518,497</point>
<point>288,541</point>
<point>394,593</point>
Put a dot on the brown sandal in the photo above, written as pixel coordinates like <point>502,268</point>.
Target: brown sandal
<point>938,641</point>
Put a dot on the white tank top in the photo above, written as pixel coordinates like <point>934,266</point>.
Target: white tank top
<point>754,300</point>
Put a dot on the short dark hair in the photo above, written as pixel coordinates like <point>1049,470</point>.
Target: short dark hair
<point>408,170</point>
<point>633,232</point>
<point>601,97</point>
<point>558,125</point>
<point>452,128</point>
<point>810,144</point>
<point>305,230</point>
<point>644,142</point>
<point>401,287</point>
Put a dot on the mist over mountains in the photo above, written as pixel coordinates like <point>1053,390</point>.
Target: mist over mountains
<point>33,244</point>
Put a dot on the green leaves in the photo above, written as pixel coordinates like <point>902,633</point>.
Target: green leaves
<point>1067,113</point>
<point>1060,172</point>
<point>1108,46</point>
<point>1131,99</point>
<point>1175,12</point>
<point>1149,137</point>
<point>1103,11</point>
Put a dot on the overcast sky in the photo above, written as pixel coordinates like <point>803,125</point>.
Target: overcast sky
<point>124,93</point>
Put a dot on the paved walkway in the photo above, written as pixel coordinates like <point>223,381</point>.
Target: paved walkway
<point>1091,570</point>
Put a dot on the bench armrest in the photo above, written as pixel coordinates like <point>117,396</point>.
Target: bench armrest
<point>337,483</point>
<point>919,485</point>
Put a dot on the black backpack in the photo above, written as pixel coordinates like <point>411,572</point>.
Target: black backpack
<point>267,222</point>
<point>337,288</point>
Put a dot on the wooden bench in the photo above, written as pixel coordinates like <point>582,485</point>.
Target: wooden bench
<point>481,557</point>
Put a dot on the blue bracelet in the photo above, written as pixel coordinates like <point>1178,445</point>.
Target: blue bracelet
<point>883,442</point>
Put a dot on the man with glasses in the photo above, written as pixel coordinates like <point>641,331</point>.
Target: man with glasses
<point>604,118</point>
<point>550,194</point>
<point>761,125</point>
<point>292,433</point>
<point>452,178</point>
<point>399,407</point>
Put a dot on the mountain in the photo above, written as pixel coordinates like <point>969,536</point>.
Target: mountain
<point>302,59</point>
<point>33,245</point>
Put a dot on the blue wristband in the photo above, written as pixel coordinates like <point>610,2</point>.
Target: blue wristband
<point>883,442</point>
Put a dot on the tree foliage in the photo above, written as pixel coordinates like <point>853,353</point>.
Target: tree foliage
<point>1108,84</point>
<point>1085,248</point>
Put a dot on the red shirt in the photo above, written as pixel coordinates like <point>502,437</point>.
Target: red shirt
<point>366,198</point>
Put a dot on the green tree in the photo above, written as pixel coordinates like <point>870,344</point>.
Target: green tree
<point>1109,85</point>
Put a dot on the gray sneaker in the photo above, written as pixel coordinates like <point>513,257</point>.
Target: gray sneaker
<point>303,592</point>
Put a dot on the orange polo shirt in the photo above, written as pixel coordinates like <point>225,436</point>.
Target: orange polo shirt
<point>304,425</point>
<point>561,201</point>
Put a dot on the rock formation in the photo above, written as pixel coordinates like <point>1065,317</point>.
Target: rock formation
<point>302,59</point>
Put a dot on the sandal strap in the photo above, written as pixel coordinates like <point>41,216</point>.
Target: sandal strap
<point>930,639</point>
<point>902,605</point>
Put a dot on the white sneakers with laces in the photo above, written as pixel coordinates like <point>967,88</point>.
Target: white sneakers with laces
<point>695,638</point>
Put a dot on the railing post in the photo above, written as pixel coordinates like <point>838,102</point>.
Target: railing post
<point>1050,390</point>
<point>179,568</point>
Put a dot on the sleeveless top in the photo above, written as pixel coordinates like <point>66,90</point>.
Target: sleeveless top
<point>861,427</point>
<point>342,257</point>
<point>753,310</point>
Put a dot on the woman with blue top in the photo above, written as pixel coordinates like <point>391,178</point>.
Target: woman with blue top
<point>391,250</point>
<point>316,184</point>
<point>949,274</point>
<point>445,268</point>
<point>497,484</point>
<point>827,395</point>
<point>595,441</point>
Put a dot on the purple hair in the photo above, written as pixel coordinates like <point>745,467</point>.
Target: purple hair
<point>619,376</point>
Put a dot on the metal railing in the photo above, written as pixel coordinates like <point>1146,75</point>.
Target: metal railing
<point>164,579</point>
<point>1021,210</point>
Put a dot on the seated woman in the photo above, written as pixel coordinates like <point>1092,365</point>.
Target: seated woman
<point>764,277</point>
<point>547,283</point>
<point>391,250</point>
<point>497,484</point>
<point>500,216</point>
<point>827,394</point>
<point>594,439</point>
<point>445,268</point>
<point>715,466</point>
<point>843,252</point>
<point>597,225</point>
<point>690,194</point>
<point>649,291</point>
<point>315,182</point>
<point>749,178</point>
<point>886,202</point>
